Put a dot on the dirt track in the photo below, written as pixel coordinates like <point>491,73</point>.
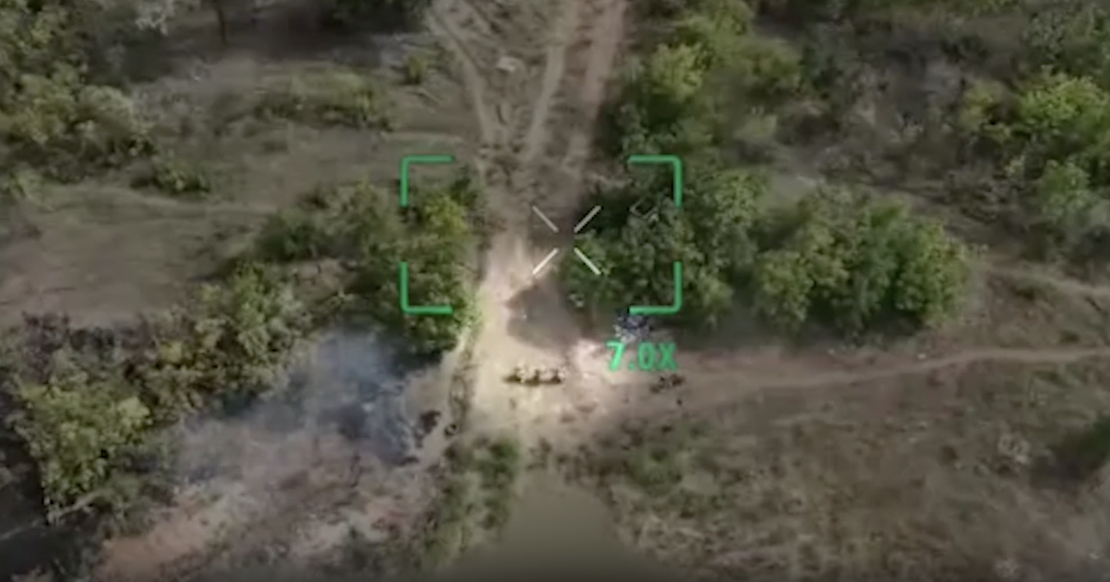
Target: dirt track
<point>579,60</point>
<point>585,36</point>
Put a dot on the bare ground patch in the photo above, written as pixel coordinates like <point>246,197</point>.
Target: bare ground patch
<point>904,478</point>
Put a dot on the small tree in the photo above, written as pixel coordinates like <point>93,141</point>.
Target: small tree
<point>709,235</point>
<point>76,426</point>
<point>845,260</point>
<point>227,345</point>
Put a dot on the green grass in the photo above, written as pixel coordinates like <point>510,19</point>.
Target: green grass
<point>498,469</point>
<point>334,98</point>
<point>176,177</point>
<point>415,68</point>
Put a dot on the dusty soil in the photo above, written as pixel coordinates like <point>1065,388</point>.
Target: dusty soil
<point>909,477</point>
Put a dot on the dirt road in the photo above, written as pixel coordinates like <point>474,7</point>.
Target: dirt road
<point>586,33</point>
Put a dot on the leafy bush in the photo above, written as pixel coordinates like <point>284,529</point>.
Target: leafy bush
<point>848,261</point>
<point>1072,37</point>
<point>333,98</point>
<point>51,116</point>
<point>1051,139</point>
<point>76,426</point>
<point>295,235</point>
<point>87,402</point>
<point>225,346</point>
<point>835,258</point>
<point>415,68</point>
<point>1063,197</point>
<point>677,98</point>
<point>437,244</point>
<point>710,235</point>
<point>176,177</point>
<point>363,227</point>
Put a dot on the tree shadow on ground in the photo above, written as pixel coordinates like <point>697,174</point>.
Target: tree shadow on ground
<point>541,317</point>
<point>1077,459</point>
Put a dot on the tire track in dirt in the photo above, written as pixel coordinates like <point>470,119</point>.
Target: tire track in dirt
<point>573,39</point>
<point>553,72</point>
<point>1071,286</point>
<point>728,383</point>
<point>606,19</point>
<point>444,28</point>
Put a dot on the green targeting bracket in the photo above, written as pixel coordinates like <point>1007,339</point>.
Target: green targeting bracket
<point>408,162</point>
<point>403,277</point>
<point>671,309</point>
<point>676,172</point>
<point>676,189</point>
<point>417,309</point>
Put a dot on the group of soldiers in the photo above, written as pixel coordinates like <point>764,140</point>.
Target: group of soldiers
<point>531,375</point>
<point>535,376</point>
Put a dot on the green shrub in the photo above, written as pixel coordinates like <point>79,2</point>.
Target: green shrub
<point>334,98</point>
<point>227,345</point>
<point>89,402</point>
<point>710,235</point>
<point>415,68</point>
<point>845,260</point>
<point>1051,140</point>
<point>499,467</point>
<point>295,235</point>
<point>176,177</point>
<point>437,246</point>
<point>51,116</point>
<point>76,426</point>
<point>838,259</point>
<point>1063,197</point>
<point>362,226</point>
<point>678,98</point>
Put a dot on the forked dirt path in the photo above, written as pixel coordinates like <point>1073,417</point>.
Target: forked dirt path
<point>502,340</point>
<point>553,69</point>
<point>594,390</point>
<point>587,36</point>
<point>444,28</point>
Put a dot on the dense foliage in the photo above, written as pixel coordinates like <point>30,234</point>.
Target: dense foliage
<point>839,257</point>
<point>365,229</point>
<point>88,401</point>
<point>856,263</point>
<point>53,119</point>
<point>86,409</point>
<point>710,234</point>
<point>1017,131</point>
<point>707,72</point>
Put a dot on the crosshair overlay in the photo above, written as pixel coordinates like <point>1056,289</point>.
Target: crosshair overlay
<point>550,256</point>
